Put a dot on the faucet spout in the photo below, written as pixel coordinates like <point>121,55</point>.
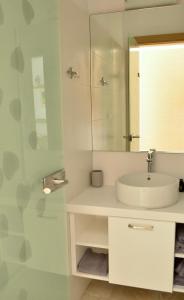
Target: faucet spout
<point>149,159</point>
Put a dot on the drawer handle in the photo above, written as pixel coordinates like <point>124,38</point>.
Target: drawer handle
<point>141,227</point>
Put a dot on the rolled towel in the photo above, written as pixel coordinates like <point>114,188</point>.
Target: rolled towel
<point>180,233</point>
<point>179,280</point>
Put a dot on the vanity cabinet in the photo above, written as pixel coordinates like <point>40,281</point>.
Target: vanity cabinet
<point>142,246</point>
<point>141,253</point>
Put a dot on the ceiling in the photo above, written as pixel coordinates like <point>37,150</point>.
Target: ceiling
<point>96,6</point>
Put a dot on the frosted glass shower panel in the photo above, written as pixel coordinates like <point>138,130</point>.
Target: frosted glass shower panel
<point>33,238</point>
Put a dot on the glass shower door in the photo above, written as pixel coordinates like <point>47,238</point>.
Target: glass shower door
<point>33,240</point>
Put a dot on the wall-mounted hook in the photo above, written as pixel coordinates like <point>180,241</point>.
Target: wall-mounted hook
<point>72,74</point>
<point>104,82</point>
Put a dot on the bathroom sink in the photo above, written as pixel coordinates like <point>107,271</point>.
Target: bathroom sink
<point>148,190</point>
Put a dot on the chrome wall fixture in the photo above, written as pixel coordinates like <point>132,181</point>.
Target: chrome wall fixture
<point>130,137</point>
<point>54,181</point>
<point>72,74</point>
<point>104,82</point>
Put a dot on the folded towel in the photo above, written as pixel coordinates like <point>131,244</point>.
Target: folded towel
<point>179,248</point>
<point>179,280</point>
<point>94,263</point>
<point>179,269</point>
<point>180,233</point>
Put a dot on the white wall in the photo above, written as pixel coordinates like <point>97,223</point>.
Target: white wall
<point>75,48</point>
<point>76,93</point>
<point>144,22</point>
<point>149,21</point>
<point>100,6</point>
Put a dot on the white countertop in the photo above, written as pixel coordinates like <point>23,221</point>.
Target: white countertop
<point>102,202</point>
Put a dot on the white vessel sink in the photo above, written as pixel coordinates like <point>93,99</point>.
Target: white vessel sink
<point>148,190</point>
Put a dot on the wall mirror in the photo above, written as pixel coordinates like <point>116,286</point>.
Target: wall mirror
<point>137,81</point>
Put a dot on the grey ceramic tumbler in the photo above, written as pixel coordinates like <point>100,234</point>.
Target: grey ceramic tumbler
<point>97,178</point>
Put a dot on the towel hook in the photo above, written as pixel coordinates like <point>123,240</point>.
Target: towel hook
<point>104,82</point>
<point>71,73</point>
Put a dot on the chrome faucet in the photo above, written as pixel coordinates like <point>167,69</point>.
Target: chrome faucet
<point>149,159</point>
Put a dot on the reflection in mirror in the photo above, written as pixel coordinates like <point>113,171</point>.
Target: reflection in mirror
<point>107,82</point>
<point>148,115</point>
<point>40,102</point>
<point>156,89</point>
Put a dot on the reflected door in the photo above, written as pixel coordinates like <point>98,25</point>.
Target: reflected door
<point>156,93</point>
<point>33,243</point>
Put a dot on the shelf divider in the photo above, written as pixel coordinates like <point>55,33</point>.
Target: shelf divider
<point>179,255</point>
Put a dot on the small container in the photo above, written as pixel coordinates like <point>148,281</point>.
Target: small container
<point>97,178</point>
<point>181,186</point>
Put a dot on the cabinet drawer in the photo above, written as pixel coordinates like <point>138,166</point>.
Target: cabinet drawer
<point>141,253</point>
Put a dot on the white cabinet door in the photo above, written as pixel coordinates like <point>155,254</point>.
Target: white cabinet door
<point>141,253</point>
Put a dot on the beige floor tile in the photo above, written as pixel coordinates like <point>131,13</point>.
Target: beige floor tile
<point>89,297</point>
<point>174,296</point>
<point>100,289</point>
<point>128,293</point>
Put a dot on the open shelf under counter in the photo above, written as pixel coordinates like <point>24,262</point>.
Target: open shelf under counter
<point>89,246</point>
<point>79,255</point>
<point>89,231</point>
<point>95,234</point>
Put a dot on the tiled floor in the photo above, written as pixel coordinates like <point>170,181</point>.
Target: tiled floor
<point>99,290</point>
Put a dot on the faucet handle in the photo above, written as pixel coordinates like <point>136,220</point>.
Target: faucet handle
<point>149,159</point>
<point>152,150</point>
<point>150,153</point>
